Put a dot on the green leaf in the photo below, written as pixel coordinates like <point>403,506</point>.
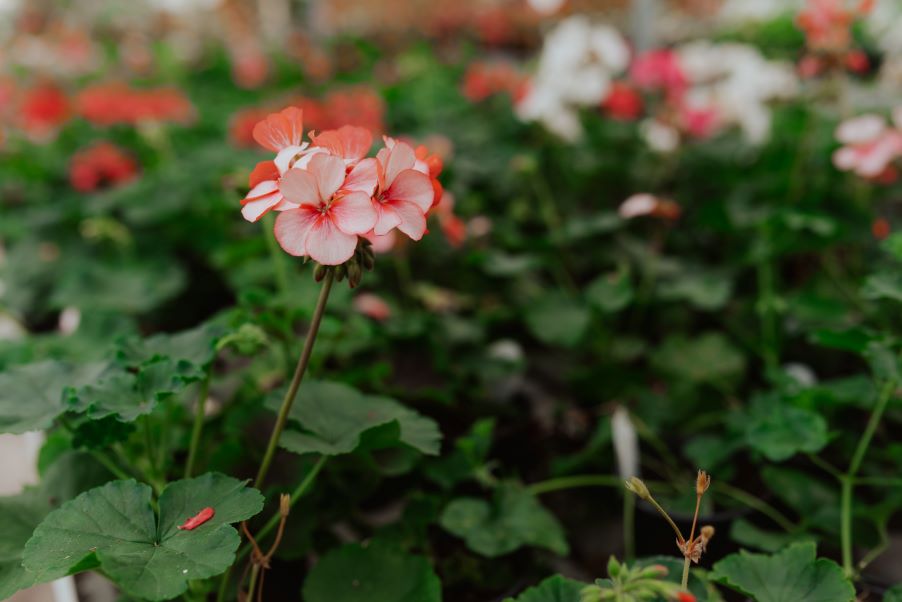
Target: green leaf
<point>793,575</point>
<point>514,519</point>
<point>780,431</point>
<point>893,594</point>
<point>553,589</point>
<point>124,394</point>
<point>114,527</point>
<point>20,515</point>
<point>883,286</point>
<point>335,416</point>
<point>192,351</point>
<point>31,396</point>
<point>746,534</point>
<point>358,573</point>
<point>122,286</point>
<point>557,319</point>
<point>610,292</point>
<point>707,358</point>
<point>704,290</point>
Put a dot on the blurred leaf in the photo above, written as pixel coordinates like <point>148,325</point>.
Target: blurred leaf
<point>125,395</point>
<point>366,573</point>
<point>610,292</point>
<point>556,319</point>
<point>707,358</point>
<point>780,431</point>
<point>192,351</point>
<point>553,589</point>
<point>32,396</point>
<point>746,534</point>
<point>512,520</point>
<point>883,286</point>
<point>703,290</point>
<point>127,287</point>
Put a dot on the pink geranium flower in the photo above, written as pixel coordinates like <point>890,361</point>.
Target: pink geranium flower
<point>403,194</point>
<point>659,70</point>
<point>283,134</point>
<point>328,217</point>
<point>869,146</point>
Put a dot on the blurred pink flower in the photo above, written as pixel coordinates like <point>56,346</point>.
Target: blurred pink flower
<point>372,306</point>
<point>659,70</point>
<point>869,148</point>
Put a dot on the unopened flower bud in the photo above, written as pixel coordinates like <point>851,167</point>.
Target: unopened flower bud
<point>320,272</point>
<point>613,567</point>
<point>355,273</point>
<point>636,485</point>
<point>702,482</point>
<point>707,532</point>
<point>655,571</point>
<point>340,272</point>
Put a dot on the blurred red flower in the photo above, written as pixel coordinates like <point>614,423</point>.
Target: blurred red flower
<point>42,110</point>
<point>102,164</point>
<point>623,102</point>
<point>117,103</point>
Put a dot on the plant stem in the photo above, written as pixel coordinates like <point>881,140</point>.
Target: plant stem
<point>589,480</point>
<point>255,572</point>
<point>847,481</point>
<point>766,295</point>
<point>110,465</point>
<point>271,524</point>
<point>296,379</point>
<point>298,492</point>
<point>629,526</point>
<point>198,426</point>
<point>755,503</point>
<point>685,581</point>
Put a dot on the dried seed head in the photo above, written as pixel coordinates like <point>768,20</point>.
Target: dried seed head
<point>636,485</point>
<point>284,505</point>
<point>702,482</point>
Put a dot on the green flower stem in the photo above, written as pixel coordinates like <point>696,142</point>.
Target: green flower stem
<point>685,582</point>
<point>252,586</point>
<point>847,481</point>
<point>629,526</point>
<point>301,368</point>
<point>271,524</point>
<point>198,426</point>
<point>755,503</point>
<point>766,300</point>
<point>110,465</point>
<point>591,480</point>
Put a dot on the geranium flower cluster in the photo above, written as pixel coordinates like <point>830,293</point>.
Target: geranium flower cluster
<point>870,146</point>
<point>329,192</point>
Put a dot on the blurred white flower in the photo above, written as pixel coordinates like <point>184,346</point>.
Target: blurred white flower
<point>177,7</point>
<point>739,82</point>
<point>69,320</point>
<point>576,65</point>
<point>626,443</point>
<point>546,7</point>
<point>10,329</point>
<point>659,136</point>
<point>638,205</point>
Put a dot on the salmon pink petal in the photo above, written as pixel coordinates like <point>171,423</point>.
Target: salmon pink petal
<point>299,186</point>
<point>413,220</point>
<point>264,170</point>
<point>254,210</point>
<point>399,158</point>
<point>845,158</point>
<point>387,219</point>
<point>293,227</point>
<point>363,178</point>
<point>354,213</point>
<point>413,187</point>
<point>280,130</point>
<point>348,142</point>
<point>327,244</point>
<point>292,156</point>
<point>329,172</point>
<point>284,205</point>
